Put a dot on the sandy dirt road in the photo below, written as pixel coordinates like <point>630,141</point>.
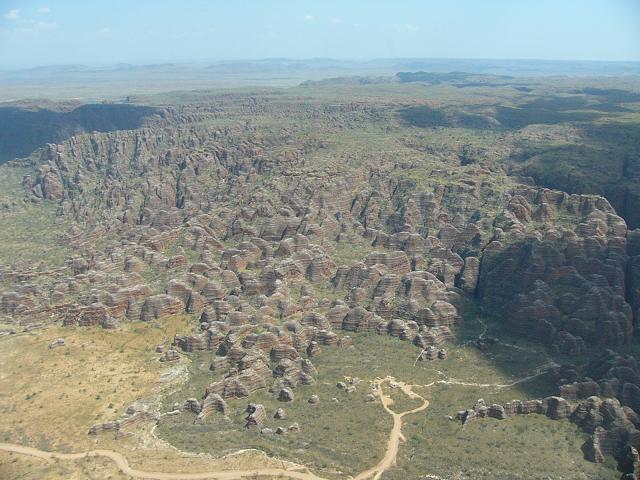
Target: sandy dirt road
<point>122,463</point>
<point>299,473</point>
<point>393,444</point>
<point>296,472</point>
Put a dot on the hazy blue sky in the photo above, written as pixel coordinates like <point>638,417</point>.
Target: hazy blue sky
<point>96,31</point>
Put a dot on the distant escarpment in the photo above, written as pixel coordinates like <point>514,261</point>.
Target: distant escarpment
<point>24,130</point>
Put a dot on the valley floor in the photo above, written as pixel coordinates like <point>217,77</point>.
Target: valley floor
<point>405,433</point>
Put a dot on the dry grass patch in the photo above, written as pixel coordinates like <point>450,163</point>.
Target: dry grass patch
<point>14,466</point>
<point>50,397</point>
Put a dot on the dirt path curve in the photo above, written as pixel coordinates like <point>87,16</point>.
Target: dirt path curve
<point>299,473</point>
<point>539,371</point>
<point>389,459</point>
<point>122,463</point>
<point>295,472</point>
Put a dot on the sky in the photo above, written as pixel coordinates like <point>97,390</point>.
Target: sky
<point>98,32</point>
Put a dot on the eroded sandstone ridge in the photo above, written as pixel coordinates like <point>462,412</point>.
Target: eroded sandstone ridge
<point>277,244</point>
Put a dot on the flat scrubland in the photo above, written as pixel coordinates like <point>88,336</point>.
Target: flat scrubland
<point>50,397</point>
<point>520,447</point>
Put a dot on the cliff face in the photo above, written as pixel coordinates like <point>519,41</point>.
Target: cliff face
<point>566,291</point>
<point>22,131</point>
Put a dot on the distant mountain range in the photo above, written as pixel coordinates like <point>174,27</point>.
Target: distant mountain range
<point>54,73</point>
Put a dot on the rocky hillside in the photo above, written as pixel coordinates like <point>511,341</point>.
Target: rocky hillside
<point>284,224</point>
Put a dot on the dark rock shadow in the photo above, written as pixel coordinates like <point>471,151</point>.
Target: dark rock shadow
<point>606,162</point>
<point>23,131</point>
<point>578,299</point>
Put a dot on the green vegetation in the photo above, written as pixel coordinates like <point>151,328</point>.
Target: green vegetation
<point>520,447</point>
<point>349,435</point>
<point>401,401</point>
<point>30,235</point>
<point>344,436</point>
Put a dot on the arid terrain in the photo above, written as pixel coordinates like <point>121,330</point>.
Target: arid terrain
<point>401,276</point>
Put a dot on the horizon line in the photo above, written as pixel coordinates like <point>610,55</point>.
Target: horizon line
<point>213,61</point>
